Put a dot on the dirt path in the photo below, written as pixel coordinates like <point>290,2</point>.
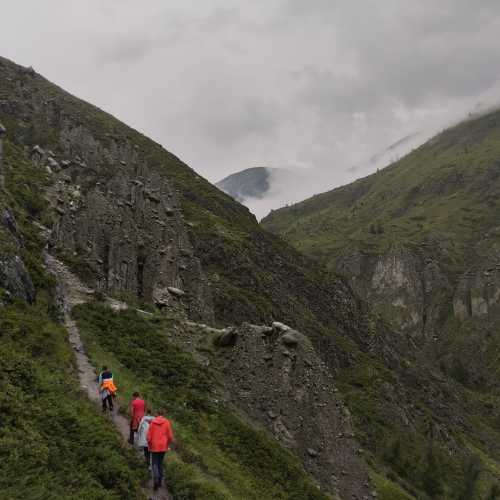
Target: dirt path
<point>72,293</point>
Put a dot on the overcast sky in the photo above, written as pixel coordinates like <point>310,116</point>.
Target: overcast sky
<point>226,85</point>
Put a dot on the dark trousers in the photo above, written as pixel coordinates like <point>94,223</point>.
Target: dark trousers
<point>109,400</point>
<point>157,460</point>
<point>132,434</point>
<point>147,455</point>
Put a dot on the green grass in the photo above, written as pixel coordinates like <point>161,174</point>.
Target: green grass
<point>218,455</point>
<point>387,489</point>
<point>446,189</point>
<point>255,276</point>
<point>53,443</point>
<point>440,203</point>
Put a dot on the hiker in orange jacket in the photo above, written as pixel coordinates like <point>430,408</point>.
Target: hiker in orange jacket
<point>137,409</point>
<point>107,388</point>
<point>160,436</point>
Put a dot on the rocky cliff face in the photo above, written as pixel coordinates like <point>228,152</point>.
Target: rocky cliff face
<point>416,294</point>
<point>129,233</point>
<point>274,376</point>
<point>115,217</point>
<point>477,292</point>
<point>15,281</point>
<point>402,284</point>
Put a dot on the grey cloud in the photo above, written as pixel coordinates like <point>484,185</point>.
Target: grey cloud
<point>227,118</point>
<point>226,85</point>
<point>124,48</point>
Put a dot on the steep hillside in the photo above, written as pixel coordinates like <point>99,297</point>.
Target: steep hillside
<point>138,225</point>
<point>420,238</point>
<point>420,242</point>
<point>53,443</point>
<point>134,220</point>
<point>135,223</point>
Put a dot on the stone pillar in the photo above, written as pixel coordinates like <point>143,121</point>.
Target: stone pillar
<point>2,173</point>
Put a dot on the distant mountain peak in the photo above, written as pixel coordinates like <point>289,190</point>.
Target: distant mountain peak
<point>249,183</point>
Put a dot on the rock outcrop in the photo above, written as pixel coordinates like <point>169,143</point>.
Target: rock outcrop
<point>2,173</point>
<point>401,284</point>
<point>15,280</point>
<point>274,376</point>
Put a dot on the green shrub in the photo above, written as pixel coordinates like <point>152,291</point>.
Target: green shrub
<point>218,456</point>
<point>53,444</point>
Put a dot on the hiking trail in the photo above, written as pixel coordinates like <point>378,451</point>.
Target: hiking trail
<point>71,293</point>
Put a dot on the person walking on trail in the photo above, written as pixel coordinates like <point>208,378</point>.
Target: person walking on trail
<point>142,435</point>
<point>107,388</point>
<point>137,409</point>
<point>159,437</point>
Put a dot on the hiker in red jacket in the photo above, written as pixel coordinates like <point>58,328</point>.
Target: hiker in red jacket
<point>137,409</point>
<point>160,436</point>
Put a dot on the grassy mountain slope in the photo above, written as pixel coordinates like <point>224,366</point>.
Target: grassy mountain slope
<point>420,241</point>
<point>427,223</point>
<point>56,445</point>
<point>104,200</point>
<point>433,214</point>
<point>446,189</point>
<point>252,275</point>
<point>53,443</point>
<point>219,456</point>
<point>108,225</point>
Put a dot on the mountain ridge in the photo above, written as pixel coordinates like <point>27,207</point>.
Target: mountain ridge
<point>141,227</point>
<point>136,223</point>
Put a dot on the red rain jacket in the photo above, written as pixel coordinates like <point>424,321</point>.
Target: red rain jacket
<point>137,409</point>
<point>160,434</point>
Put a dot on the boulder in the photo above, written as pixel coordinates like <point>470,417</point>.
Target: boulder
<point>8,220</point>
<point>37,150</point>
<point>227,338</point>
<point>53,164</point>
<point>177,292</point>
<point>263,330</point>
<point>280,326</point>
<point>291,338</point>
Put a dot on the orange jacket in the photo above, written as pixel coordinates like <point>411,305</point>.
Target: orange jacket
<point>108,385</point>
<point>160,434</point>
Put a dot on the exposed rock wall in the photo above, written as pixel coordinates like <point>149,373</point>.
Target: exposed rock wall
<point>274,376</point>
<point>15,279</point>
<point>478,291</point>
<point>120,224</point>
<point>128,232</point>
<point>414,292</point>
<point>402,285</point>
<point>2,173</point>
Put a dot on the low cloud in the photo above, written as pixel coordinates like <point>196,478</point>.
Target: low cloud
<point>321,86</point>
